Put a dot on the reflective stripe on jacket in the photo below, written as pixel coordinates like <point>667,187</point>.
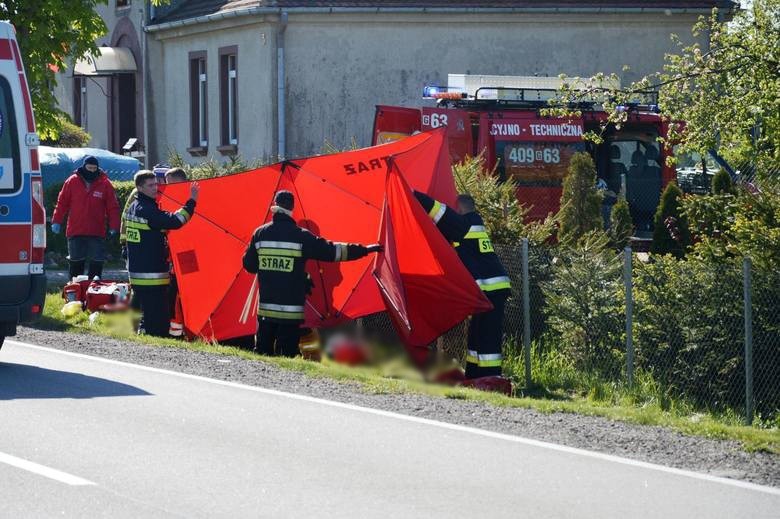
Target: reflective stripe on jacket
<point>147,251</point>
<point>277,254</point>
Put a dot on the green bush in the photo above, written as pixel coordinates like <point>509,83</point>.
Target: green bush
<point>580,211</point>
<point>69,136</point>
<point>57,245</point>
<point>689,328</point>
<point>669,214</point>
<point>505,218</point>
<point>585,305</point>
<point>721,183</point>
<point>622,227</point>
<point>211,167</point>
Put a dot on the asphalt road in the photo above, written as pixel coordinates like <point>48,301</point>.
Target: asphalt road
<point>88,437</point>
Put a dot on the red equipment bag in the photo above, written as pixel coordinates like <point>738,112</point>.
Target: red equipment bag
<point>107,296</point>
<point>75,291</point>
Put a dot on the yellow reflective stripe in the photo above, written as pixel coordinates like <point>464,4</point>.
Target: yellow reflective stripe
<point>279,252</point>
<point>280,315</point>
<point>437,211</point>
<point>150,282</point>
<point>475,235</point>
<point>182,215</point>
<point>487,360</point>
<point>497,286</point>
<point>137,225</point>
<point>496,283</point>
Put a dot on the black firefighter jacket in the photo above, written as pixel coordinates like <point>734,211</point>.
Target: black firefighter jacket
<point>147,251</point>
<point>471,240</point>
<point>277,254</point>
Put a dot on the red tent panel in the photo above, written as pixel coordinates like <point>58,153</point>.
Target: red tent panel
<point>438,291</point>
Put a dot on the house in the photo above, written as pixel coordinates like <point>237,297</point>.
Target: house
<point>271,78</point>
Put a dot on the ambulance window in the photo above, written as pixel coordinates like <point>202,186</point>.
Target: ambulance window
<point>535,163</point>
<point>10,167</point>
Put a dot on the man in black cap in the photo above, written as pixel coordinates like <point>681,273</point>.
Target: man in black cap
<point>88,200</point>
<point>277,254</point>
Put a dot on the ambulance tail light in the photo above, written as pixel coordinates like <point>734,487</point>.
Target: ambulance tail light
<point>38,226</point>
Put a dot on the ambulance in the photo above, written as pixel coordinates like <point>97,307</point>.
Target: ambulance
<point>22,213</point>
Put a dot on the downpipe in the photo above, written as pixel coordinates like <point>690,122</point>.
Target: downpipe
<point>281,143</point>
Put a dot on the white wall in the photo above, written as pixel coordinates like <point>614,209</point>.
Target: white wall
<point>170,103</point>
<point>340,66</point>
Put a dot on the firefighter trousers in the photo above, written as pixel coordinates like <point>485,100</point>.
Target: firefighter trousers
<point>155,309</point>
<point>275,338</point>
<point>485,338</point>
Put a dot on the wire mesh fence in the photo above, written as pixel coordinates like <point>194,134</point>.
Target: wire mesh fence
<point>704,336</point>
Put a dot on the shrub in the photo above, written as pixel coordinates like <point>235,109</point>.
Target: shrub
<point>689,328</point>
<point>496,201</point>
<point>69,136</point>
<point>580,211</point>
<point>622,227</point>
<point>671,234</point>
<point>211,167</point>
<point>721,183</point>
<point>585,305</point>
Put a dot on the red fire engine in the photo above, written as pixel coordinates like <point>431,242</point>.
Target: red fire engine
<point>532,150</point>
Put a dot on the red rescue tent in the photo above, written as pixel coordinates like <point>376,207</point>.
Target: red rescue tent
<point>340,197</point>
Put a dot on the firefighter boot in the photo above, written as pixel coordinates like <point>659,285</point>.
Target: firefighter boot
<point>76,268</point>
<point>95,269</point>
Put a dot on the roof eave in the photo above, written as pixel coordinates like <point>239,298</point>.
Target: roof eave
<point>255,11</point>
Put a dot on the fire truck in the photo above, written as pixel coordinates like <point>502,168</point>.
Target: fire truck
<point>501,117</point>
<point>22,213</point>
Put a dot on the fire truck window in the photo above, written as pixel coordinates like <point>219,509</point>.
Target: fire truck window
<point>10,167</point>
<point>535,163</point>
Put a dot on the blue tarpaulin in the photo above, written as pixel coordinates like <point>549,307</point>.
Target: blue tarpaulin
<point>57,164</point>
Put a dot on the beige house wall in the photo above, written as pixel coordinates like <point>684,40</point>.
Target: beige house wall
<point>340,65</point>
<point>256,73</point>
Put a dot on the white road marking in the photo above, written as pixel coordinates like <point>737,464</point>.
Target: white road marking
<point>444,425</point>
<point>42,470</point>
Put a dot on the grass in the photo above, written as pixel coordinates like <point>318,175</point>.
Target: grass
<point>555,391</point>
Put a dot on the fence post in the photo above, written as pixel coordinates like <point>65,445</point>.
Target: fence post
<point>748,308</point>
<point>628,282</point>
<point>526,316</point>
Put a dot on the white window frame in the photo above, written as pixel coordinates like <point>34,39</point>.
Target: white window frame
<point>202,106</point>
<point>231,102</point>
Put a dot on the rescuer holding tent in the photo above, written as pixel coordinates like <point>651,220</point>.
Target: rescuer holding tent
<point>466,230</point>
<point>277,253</point>
<point>147,254</point>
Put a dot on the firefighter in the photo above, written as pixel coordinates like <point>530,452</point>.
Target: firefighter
<point>88,200</point>
<point>147,255</point>
<point>466,230</point>
<point>277,253</point>
<point>171,176</point>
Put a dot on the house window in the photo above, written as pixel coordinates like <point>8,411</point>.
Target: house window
<point>228,72</point>
<point>198,100</point>
<point>80,101</point>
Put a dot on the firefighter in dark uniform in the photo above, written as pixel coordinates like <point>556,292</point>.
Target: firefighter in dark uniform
<point>277,254</point>
<point>466,230</point>
<point>147,254</point>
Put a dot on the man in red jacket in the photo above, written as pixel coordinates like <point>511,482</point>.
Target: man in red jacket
<point>88,200</point>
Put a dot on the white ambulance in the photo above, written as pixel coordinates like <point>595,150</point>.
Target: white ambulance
<point>22,213</point>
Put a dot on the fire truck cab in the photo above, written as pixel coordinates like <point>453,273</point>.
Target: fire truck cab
<point>22,213</point>
<point>500,116</point>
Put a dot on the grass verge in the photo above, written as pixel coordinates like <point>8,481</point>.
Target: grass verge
<point>638,405</point>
